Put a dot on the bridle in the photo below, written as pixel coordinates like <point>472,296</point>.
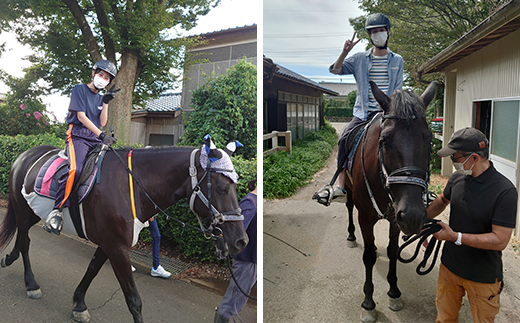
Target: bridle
<point>215,216</point>
<point>410,175</point>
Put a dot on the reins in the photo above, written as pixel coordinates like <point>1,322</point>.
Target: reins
<point>429,228</point>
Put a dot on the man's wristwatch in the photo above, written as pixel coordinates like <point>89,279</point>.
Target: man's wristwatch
<point>459,239</point>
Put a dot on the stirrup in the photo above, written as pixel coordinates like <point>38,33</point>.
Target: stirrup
<point>54,222</point>
<point>324,195</point>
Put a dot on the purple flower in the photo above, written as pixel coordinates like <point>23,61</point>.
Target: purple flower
<point>23,106</point>
<point>27,115</point>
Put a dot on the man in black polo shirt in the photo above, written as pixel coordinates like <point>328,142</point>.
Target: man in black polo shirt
<point>482,218</point>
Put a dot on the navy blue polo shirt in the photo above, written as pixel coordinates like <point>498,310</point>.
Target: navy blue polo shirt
<point>83,99</point>
<point>477,204</point>
<point>248,206</point>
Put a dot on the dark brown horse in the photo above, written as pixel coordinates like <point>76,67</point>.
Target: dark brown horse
<point>165,176</point>
<point>390,175</point>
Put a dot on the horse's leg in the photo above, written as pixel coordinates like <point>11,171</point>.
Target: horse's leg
<point>394,293</point>
<point>368,315</point>
<point>80,311</point>
<point>351,239</point>
<point>22,246</point>
<point>120,260</point>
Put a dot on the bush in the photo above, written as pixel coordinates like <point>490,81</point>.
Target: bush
<point>225,108</point>
<point>338,112</point>
<point>12,146</point>
<point>191,242</point>
<point>284,173</point>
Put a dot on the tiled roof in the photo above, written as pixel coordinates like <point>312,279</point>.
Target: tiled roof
<point>165,103</point>
<point>222,30</point>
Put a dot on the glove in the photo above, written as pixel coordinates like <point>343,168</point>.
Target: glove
<point>109,95</point>
<point>107,140</point>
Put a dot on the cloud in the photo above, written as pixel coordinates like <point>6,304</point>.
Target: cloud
<point>307,36</point>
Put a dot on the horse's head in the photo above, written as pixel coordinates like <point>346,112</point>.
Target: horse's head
<point>404,153</point>
<point>217,204</point>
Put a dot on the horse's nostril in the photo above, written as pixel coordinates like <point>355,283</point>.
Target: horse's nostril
<point>241,244</point>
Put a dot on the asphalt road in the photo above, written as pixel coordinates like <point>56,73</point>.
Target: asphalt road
<point>311,276</point>
<point>59,263</point>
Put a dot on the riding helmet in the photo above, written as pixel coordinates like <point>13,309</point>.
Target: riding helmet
<point>106,66</point>
<point>377,20</point>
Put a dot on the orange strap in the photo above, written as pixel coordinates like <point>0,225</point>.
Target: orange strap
<point>131,183</point>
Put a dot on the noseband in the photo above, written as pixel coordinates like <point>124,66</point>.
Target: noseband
<point>410,175</point>
<point>215,216</point>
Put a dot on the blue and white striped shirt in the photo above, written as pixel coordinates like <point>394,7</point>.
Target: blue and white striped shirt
<point>378,74</point>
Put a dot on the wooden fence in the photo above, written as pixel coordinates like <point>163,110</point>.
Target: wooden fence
<point>274,137</point>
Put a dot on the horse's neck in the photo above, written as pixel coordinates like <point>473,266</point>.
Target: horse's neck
<point>165,177</point>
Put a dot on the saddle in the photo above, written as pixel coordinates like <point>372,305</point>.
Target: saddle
<point>46,183</point>
<point>353,139</point>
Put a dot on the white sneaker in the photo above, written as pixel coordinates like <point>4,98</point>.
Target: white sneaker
<point>160,272</point>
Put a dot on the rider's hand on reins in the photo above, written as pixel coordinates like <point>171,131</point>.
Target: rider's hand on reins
<point>107,140</point>
<point>109,95</point>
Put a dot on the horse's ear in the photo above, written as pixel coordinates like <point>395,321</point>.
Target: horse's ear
<point>213,153</point>
<point>380,96</point>
<point>429,93</point>
<point>232,146</point>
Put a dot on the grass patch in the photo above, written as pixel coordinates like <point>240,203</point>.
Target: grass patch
<point>284,173</point>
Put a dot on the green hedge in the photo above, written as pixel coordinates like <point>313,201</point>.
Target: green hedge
<point>284,173</point>
<point>11,147</point>
<point>337,112</point>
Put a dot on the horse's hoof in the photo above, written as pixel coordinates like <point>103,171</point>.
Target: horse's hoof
<point>395,304</point>
<point>351,244</point>
<point>368,316</point>
<point>3,264</point>
<point>34,294</point>
<point>81,316</point>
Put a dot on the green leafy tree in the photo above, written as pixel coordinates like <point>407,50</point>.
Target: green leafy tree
<point>351,99</point>
<point>422,28</point>
<point>69,36</point>
<point>225,108</point>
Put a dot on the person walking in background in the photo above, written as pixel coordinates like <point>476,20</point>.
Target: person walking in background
<point>157,269</point>
<point>244,264</point>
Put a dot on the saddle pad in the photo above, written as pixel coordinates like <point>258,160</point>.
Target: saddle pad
<point>46,183</point>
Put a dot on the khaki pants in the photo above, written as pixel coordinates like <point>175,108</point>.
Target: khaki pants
<point>484,299</point>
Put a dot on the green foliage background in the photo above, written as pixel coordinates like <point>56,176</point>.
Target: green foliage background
<point>284,173</point>
<point>225,108</point>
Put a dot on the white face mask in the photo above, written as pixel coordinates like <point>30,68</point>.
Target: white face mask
<point>379,39</point>
<point>99,82</point>
<point>459,167</point>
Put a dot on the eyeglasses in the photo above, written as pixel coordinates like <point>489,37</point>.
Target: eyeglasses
<point>454,159</point>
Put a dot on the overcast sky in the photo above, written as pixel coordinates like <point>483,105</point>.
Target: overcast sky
<point>306,36</point>
<point>229,14</point>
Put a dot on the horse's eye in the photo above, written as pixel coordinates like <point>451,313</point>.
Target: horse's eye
<point>222,189</point>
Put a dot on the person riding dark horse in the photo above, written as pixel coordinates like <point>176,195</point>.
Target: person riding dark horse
<point>378,64</point>
<point>88,111</point>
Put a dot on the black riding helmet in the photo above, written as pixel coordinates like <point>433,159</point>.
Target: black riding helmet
<point>377,20</point>
<point>106,66</point>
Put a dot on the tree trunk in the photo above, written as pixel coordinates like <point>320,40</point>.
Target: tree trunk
<point>119,112</point>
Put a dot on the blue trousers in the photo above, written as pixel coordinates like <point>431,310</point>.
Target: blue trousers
<point>156,241</point>
<point>79,141</point>
<point>234,301</point>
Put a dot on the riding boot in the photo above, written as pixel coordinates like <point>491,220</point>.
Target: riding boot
<point>328,194</point>
<point>54,222</point>
<point>219,318</point>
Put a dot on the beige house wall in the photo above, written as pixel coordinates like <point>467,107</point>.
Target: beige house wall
<point>492,72</point>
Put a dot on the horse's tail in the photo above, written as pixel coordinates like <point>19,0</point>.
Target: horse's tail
<point>8,227</point>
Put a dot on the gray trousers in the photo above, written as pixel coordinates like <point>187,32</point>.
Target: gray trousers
<point>233,301</point>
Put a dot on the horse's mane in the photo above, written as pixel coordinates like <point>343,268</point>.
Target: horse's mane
<point>407,105</point>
